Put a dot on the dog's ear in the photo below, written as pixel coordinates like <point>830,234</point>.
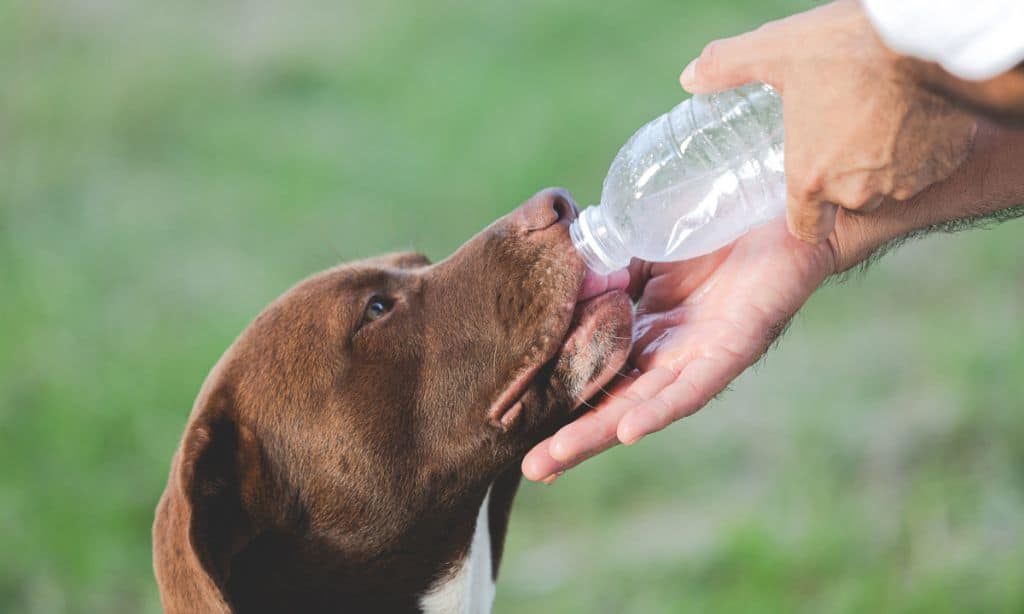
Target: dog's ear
<point>221,481</point>
<point>399,260</point>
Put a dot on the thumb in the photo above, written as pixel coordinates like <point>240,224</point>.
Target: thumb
<point>810,218</point>
<point>729,62</point>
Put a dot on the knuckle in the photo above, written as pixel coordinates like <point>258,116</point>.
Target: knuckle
<point>872,201</point>
<point>664,411</point>
<point>856,191</point>
<point>805,188</point>
<point>850,204</point>
<point>903,193</point>
<point>863,196</point>
<point>857,199</point>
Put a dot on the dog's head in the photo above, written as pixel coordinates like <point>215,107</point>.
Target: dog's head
<point>373,403</point>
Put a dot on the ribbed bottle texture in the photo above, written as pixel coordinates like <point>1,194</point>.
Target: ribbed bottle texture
<point>689,182</point>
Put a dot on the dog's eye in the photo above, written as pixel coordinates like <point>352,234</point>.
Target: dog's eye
<point>377,308</point>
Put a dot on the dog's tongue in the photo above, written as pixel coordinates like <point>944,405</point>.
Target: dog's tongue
<point>595,283</point>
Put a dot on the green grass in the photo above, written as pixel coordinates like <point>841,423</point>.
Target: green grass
<point>166,169</point>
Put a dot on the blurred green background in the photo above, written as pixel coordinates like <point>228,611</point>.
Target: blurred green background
<point>166,169</point>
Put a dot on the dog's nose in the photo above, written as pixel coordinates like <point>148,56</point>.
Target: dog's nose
<point>547,208</point>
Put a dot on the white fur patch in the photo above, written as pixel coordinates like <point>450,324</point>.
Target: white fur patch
<point>470,588</point>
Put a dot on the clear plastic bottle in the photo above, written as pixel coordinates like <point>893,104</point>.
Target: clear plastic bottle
<point>689,182</point>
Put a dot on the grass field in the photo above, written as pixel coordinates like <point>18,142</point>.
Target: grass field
<point>166,169</point>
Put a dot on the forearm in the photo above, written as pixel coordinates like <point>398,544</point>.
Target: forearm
<point>988,186</point>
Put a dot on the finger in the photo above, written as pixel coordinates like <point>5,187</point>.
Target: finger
<point>639,274</point>
<point>538,465</point>
<point>872,203</point>
<point>588,435</point>
<point>809,218</point>
<point>730,62</point>
<point>859,190</point>
<point>595,430</point>
<point>696,384</point>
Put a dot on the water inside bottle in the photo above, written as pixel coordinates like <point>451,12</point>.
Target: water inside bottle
<point>740,191</point>
<point>690,181</point>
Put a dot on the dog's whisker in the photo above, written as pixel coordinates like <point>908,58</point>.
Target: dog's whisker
<point>494,361</point>
<point>613,395</point>
<point>622,373</point>
<point>609,393</point>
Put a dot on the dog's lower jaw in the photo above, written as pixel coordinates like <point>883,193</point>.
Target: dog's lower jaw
<point>597,348</point>
<point>468,588</point>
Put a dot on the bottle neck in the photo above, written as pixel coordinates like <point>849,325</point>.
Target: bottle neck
<point>600,247</point>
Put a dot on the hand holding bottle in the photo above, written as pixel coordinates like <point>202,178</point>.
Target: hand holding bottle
<point>699,323</point>
<point>689,182</point>
<point>702,322</point>
<point>860,125</point>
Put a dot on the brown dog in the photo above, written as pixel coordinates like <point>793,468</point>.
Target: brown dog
<point>356,449</point>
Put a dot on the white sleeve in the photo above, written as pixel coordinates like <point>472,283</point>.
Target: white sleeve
<point>973,40</point>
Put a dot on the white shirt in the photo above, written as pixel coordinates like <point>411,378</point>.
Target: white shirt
<point>973,40</point>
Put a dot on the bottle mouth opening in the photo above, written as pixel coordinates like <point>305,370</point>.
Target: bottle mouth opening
<point>585,235</point>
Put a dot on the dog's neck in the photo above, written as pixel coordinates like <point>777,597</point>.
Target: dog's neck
<point>468,587</point>
<point>464,582</point>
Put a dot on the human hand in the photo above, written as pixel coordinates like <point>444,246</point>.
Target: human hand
<point>860,125</point>
<point>699,323</point>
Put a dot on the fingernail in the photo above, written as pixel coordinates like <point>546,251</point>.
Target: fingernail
<point>629,439</point>
<point>633,440</point>
<point>551,478</point>
<point>874,203</point>
<point>828,220</point>
<point>559,451</point>
<point>686,79</point>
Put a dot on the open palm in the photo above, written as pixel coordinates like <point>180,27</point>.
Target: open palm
<point>699,324</point>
